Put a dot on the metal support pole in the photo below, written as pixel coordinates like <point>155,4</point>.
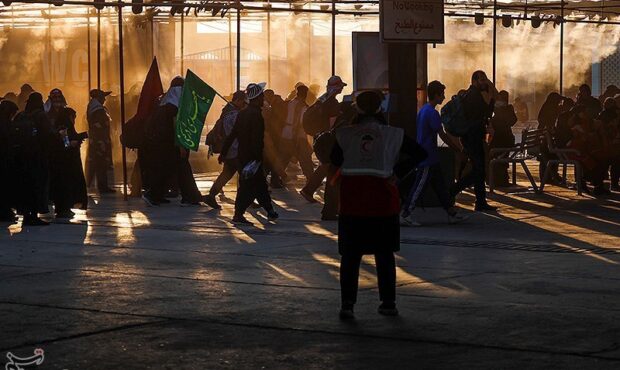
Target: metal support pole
<point>98,49</point>
<point>239,46</point>
<point>230,55</point>
<point>88,51</point>
<point>333,37</point>
<point>562,50</point>
<point>122,93</point>
<point>268,48</point>
<point>50,51</point>
<point>309,49</point>
<point>494,41</point>
<point>152,39</point>
<point>182,41</point>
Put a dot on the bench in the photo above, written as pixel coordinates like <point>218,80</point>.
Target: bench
<point>563,158</point>
<point>528,148</point>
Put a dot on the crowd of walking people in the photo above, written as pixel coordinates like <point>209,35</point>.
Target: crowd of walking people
<point>42,160</point>
<point>374,174</point>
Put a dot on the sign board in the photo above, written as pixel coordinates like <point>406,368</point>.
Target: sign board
<point>370,62</point>
<point>415,21</point>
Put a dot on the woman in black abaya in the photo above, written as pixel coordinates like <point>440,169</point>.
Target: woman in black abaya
<point>67,183</point>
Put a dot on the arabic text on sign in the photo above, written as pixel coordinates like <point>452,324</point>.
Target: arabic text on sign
<point>410,25</point>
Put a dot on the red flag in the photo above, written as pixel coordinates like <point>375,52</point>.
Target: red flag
<point>151,91</point>
<point>132,135</point>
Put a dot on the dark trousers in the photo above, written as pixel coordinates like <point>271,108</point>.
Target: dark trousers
<point>474,147</point>
<point>99,168</point>
<point>349,276</point>
<point>158,164</point>
<point>316,179</point>
<point>544,158</point>
<point>614,172</point>
<point>250,189</point>
<point>428,176</point>
<point>332,195</point>
<point>301,150</point>
<point>6,187</point>
<point>231,167</point>
<point>136,180</point>
<point>185,179</point>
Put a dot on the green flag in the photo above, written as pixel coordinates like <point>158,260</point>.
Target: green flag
<point>196,100</point>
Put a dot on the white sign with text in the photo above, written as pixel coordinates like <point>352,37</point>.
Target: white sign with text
<point>416,21</point>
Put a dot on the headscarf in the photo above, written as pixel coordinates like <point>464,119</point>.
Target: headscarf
<point>34,102</point>
<point>7,110</point>
<point>173,96</point>
<point>49,103</point>
<point>93,106</point>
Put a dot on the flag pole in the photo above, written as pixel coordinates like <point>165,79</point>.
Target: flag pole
<point>223,98</point>
<point>122,93</point>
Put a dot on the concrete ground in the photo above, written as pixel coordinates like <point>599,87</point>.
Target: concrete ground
<point>124,286</point>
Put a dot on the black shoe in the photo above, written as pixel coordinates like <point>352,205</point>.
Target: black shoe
<point>276,185</point>
<point>485,208</point>
<point>599,191</point>
<point>65,214</point>
<point>586,189</point>
<point>255,205</point>
<point>163,201</point>
<point>329,217</point>
<point>185,203</point>
<point>346,312</point>
<point>388,309</point>
<point>8,218</point>
<point>240,220</point>
<point>172,194</point>
<point>211,202</point>
<point>307,197</point>
<point>272,215</point>
<point>149,201</point>
<point>35,221</point>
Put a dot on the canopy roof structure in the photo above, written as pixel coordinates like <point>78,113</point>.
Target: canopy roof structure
<point>34,13</point>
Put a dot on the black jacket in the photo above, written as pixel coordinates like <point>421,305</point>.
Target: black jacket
<point>502,122</point>
<point>477,111</point>
<point>249,130</point>
<point>607,116</point>
<point>160,129</point>
<point>100,143</point>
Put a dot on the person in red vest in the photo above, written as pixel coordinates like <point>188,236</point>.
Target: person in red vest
<point>365,153</point>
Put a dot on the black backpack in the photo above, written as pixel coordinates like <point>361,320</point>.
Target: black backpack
<point>215,137</point>
<point>453,117</point>
<point>315,120</point>
<point>133,133</point>
<point>323,145</point>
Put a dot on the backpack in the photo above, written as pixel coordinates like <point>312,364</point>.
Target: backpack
<point>323,145</point>
<point>215,137</point>
<point>314,120</point>
<point>453,117</point>
<point>133,133</point>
